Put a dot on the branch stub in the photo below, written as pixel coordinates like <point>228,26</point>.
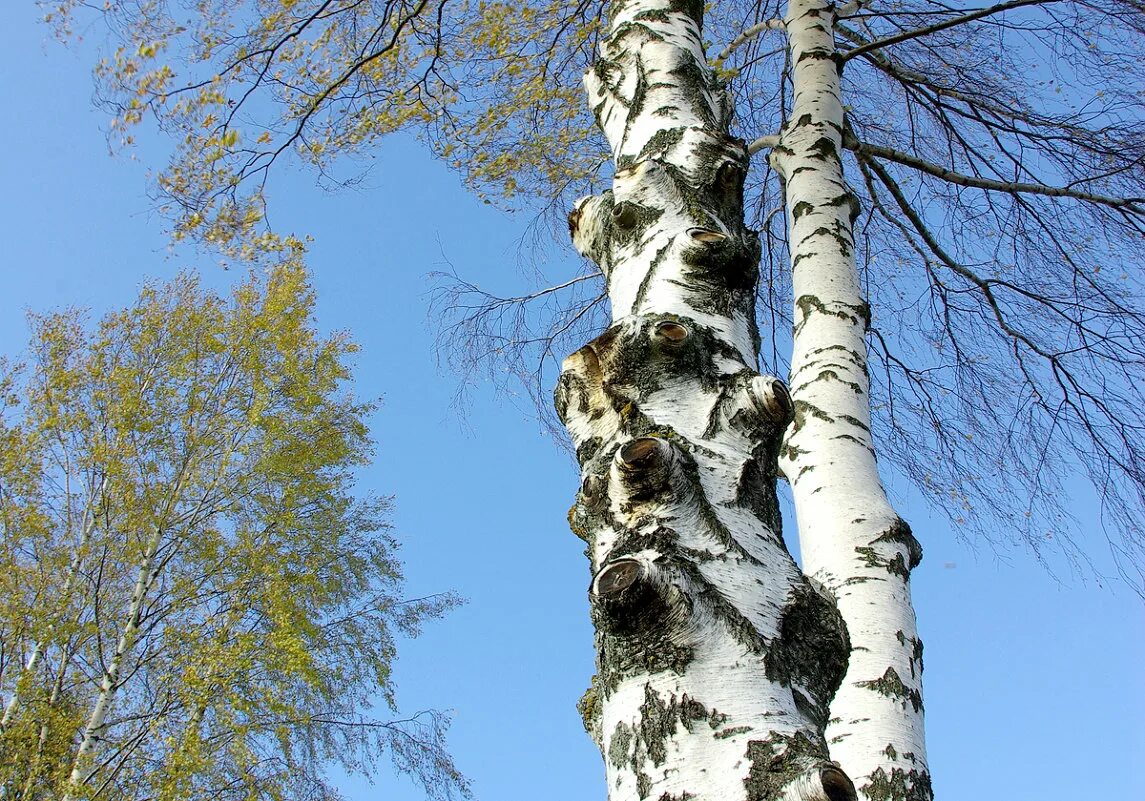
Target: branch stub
<point>837,786</point>
<point>671,333</point>
<point>616,577</point>
<point>640,454</point>
<point>729,175</point>
<point>624,215</point>
<point>771,397</point>
<point>706,235</point>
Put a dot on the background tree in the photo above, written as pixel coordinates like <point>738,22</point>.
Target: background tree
<point>1088,331</point>
<point>196,604</point>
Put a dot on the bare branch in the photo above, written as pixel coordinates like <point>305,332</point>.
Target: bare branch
<point>864,149</point>
<point>941,26</point>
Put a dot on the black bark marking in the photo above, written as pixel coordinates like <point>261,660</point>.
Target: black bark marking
<point>812,650</point>
<point>892,686</point>
<point>900,533</point>
<point>899,785</point>
<point>780,760</point>
<point>646,282</point>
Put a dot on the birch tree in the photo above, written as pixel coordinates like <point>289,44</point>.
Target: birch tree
<point>933,244</point>
<point>196,604</point>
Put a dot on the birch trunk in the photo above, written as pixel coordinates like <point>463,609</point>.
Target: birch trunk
<point>86,528</point>
<point>149,570</point>
<point>716,659</point>
<point>853,543</point>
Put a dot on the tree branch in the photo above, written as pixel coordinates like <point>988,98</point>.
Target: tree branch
<point>1133,204</point>
<point>940,26</point>
<point>750,33</point>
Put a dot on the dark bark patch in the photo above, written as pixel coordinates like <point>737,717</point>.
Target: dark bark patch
<point>627,604</point>
<point>899,785</point>
<point>803,410</point>
<point>659,144</point>
<point>620,751</point>
<point>895,565</point>
<point>589,708</point>
<point>639,639</point>
<point>727,263</point>
<point>730,176</point>
<point>755,489</point>
<point>731,731</point>
<point>823,148</point>
<point>856,422</point>
<point>890,685</point>
<point>629,221</point>
<point>660,719</point>
<point>778,761</point>
<point>692,8</point>
<point>827,374</point>
<point>815,55</point>
<point>652,15</point>
<point>900,533</point>
<point>812,650</point>
<point>633,747</point>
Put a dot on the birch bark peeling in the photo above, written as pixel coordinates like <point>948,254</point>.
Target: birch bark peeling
<point>717,660</point>
<point>852,541</point>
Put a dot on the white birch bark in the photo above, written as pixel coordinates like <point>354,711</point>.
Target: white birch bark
<point>716,658</point>
<point>149,570</point>
<point>852,542</point>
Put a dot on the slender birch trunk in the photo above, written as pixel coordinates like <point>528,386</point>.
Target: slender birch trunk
<point>852,542</point>
<point>716,659</point>
<point>149,570</point>
<point>27,792</point>
<point>86,528</point>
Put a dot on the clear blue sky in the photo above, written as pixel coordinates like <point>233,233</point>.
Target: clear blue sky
<point>1034,688</point>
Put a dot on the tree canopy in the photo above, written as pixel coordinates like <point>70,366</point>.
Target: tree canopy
<point>195,603</point>
<point>996,151</point>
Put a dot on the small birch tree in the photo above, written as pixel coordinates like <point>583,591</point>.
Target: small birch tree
<point>945,225</point>
<point>196,605</point>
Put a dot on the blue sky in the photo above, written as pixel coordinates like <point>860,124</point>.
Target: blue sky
<point>1033,686</point>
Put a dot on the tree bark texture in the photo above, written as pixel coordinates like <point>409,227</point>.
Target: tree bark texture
<point>852,542</point>
<point>716,659</point>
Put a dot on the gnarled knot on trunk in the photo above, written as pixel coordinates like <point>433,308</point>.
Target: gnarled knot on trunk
<point>728,260</point>
<point>758,406</point>
<point>603,384</point>
<point>600,225</point>
<point>770,398</point>
<point>589,226</point>
<point>631,593</point>
<point>645,467</point>
<point>825,781</point>
<point>795,768</point>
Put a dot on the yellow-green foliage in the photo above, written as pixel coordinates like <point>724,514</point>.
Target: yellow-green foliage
<point>222,430</point>
<point>492,87</point>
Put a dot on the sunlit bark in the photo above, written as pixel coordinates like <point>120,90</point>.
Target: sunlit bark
<point>852,542</point>
<point>716,659</point>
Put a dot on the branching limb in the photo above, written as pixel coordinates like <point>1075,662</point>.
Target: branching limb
<point>750,33</point>
<point>941,26</point>
<point>1132,205</point>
